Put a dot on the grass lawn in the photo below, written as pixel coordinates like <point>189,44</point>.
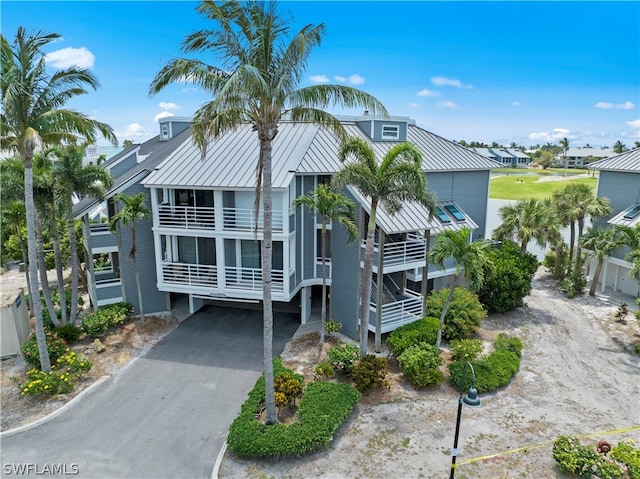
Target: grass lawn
<point>543,172</point>
<point>506,187</point>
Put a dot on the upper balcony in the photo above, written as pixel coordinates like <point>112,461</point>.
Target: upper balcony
<point>204,217</point>
<point>399,255</point>
<point>102,237</point>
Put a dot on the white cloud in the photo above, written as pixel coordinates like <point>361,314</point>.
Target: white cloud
<point>162,114</point>
<point>67,57</point>
<point>415,105</point>
<point>319,79</point>
<point>427,92</point>
<point>168,105</point>
<point>356,79</point>
<point>444,81</point>
<point>340,79</point>
<point>134,129</point>
<point>448,104</point>
<point>603,105</point>
<point>551,137</point>
<point>516,103</point>
<point>633,123</point>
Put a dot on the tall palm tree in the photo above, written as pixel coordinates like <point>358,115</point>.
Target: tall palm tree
<point>261,62</point>
<point>619,147</point>
<point>33,114</point>
<point>331,206</point>
<point>528,220</point>
<point>473,263</point>
<point>134,209</point>
<point>564,144</point>
<point>630,236</point>
<point>72,177</point>
<point>602,242</point>
<point>397,178</point>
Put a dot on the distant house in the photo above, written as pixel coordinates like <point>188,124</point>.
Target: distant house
<point>580,157</point>
<point>201,243</point>
<point>619,180</point>
<point>506,157</point>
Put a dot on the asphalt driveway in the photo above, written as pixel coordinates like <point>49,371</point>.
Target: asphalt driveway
<point>167,414</point>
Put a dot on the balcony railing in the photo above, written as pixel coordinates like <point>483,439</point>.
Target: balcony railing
<point>398,313</point>
<point>190,274</point>
<point>186,217</point>
<point>244,219</point>
<point>400,253</point>
<point>250,279</point>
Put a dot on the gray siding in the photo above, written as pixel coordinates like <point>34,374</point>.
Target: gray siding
<point>178,127</point>
<point>309,233</point>
<point>345,278</point>
<point>154,300</point>
<point>298,217</point>
<point>377,129</point>
<point>365,126</point>
<point>124,166</point>
<point>103,240</point>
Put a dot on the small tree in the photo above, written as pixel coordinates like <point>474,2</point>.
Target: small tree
<point>602,242</point>
<point>134,209</point>
<point>564,144</point>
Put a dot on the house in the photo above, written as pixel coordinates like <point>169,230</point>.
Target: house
<point>581,157</point>
<point>506,157</point>
<point>202,242</point>
<point>619,180</point>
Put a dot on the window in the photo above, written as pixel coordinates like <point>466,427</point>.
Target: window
<point>632,212</point>
<point>164,131</point>
<point>390,132</point>
<point>442,215</point>
<point>319,244</point>
<point>455,212</point>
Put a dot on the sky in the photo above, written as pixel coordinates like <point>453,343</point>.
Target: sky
<point>523,72</point>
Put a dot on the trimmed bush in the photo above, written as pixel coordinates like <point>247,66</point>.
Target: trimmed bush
<point>323,408</point>
<point>466,349</point>
<point>629,455</point>
<point>464,316</point>
<point>323,371</point>
<point>69,333</point>
<point>287,389</point>
<point>420,364</point>
<point>99,322</point>
<point>424,330</point>
<point>56,347</point>
<point>493,371</point>
<point>331,326</point>
<point>343,355</point>
<point>62,378</point>
<point>369,373</point>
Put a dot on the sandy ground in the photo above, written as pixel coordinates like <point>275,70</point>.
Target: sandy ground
<point>578,376</point>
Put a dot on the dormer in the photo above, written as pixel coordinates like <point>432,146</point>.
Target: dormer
<point>171,126</point>
<point>391,128</point>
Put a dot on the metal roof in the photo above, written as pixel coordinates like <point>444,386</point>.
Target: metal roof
<point>584,152</point>
<point>518,153</point>
<point>486,152</point>
<point>620,219</point>
<point>627,161</point>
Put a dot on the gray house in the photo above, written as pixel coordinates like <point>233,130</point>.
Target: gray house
<point>619,180</point>
<point>202,243</point>
<point>580,157</point>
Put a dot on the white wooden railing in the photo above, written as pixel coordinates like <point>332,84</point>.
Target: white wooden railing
<point>188,217</point>
<point>245,219</point>
<point>250,279</point>
<point>190,274</point>
<point>398,313</point>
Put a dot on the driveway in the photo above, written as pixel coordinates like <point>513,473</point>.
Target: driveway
<point>167,414</point>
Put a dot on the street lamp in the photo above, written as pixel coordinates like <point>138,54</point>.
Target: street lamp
<point>470,399</point>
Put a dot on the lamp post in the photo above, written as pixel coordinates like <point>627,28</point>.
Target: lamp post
<point>470,399</point>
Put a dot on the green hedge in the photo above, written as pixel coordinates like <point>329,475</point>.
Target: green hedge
<point>322,410</point>
<point>494,370</point>
<point>464,316</point>
<point>422,331</point>
<point>420,364</point>
<point>106,316</point>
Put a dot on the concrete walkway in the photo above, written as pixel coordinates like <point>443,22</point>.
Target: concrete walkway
<point>165,415</point>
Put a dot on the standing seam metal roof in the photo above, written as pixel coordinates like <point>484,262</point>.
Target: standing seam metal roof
<point>627,161</point>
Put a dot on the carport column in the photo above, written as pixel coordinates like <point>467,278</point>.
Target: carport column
<point>195,304</point>
<point>305,304</point>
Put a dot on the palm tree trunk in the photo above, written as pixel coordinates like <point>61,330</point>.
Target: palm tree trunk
<point>267,252</point>
<point>59,275</point>
<point>323,313</point>
<point>523,247</point>
<point>444,314</point>
<point>135,270</point>
<point>25,260</point>
<point>596,275</point>
<point>572,240</point>
<point>73,249</point>
<point>42,268</point>
<point>45,364</point>
<point>580,231</point>
<point>367,277</point>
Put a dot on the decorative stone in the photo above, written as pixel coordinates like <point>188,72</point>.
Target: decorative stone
<point>98,347</point>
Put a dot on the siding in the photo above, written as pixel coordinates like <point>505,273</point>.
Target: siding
<point>309,234</point>
<point>124,166</point>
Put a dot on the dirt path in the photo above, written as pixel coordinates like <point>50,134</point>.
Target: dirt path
<point>578,376</point>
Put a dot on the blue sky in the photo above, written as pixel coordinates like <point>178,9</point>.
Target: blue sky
<point>527,72</point>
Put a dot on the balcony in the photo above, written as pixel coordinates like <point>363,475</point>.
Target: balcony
<point>397,313</point>
<point>184,274</point>
<point>186,217</point>
<point>244,219</point>
<point>400,255</point>
<point>250,279</point>
<point>101,237</point>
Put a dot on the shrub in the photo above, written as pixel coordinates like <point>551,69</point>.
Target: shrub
<point>99,322</point>
<point>69,333</point>
<point>513,344</point>
<point>287,388</point>
<point>370,372</point>
<point>332,326</point>
<point>56,347</point>
<point>322,410</point>
<point>627,454</point>
<point>422,331</point>
<point>558,267</point>
<point>420,364</point>
<point>323,370</point>
<point>62,378</point>
<point>637,348</point>
<point>578,459</point>
<point>466,349</point>
<point>511,283</point>
<point>343,355</point>
<point>464,315</point>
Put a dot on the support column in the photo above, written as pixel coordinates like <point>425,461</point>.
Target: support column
<point>378,334</point>
<point>305,304</point>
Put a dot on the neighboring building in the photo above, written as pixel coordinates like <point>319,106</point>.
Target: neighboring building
<point>581,157</point>
<point>506,157</point>
<point>619,180</point>
<point>200,243</point>
<point>94,154</point>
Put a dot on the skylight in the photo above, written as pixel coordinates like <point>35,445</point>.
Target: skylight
<point>632,212</point>
<point>455,212</point>
<point>442,215</point>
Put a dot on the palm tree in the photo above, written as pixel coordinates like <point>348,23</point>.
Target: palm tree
<point>331,206</point>
<point>134,210</point>
<point>564,143</point>
<point>471,258</point>
<point>528,220</point>
<point>261,64</point>
<point>602,241</point>
<point>619,147</point>
<point>72,177</point>
<point>630,236</point>
<point>33,114</point>
<point>398,178</point>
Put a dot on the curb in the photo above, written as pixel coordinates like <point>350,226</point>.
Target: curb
<point>55,413</point>
<point>218,463</point>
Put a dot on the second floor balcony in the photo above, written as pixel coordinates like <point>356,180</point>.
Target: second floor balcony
<point>207,218</point>
<point>400,255</point>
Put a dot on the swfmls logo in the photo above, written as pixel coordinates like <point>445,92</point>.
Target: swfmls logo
<point>28,468</point>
